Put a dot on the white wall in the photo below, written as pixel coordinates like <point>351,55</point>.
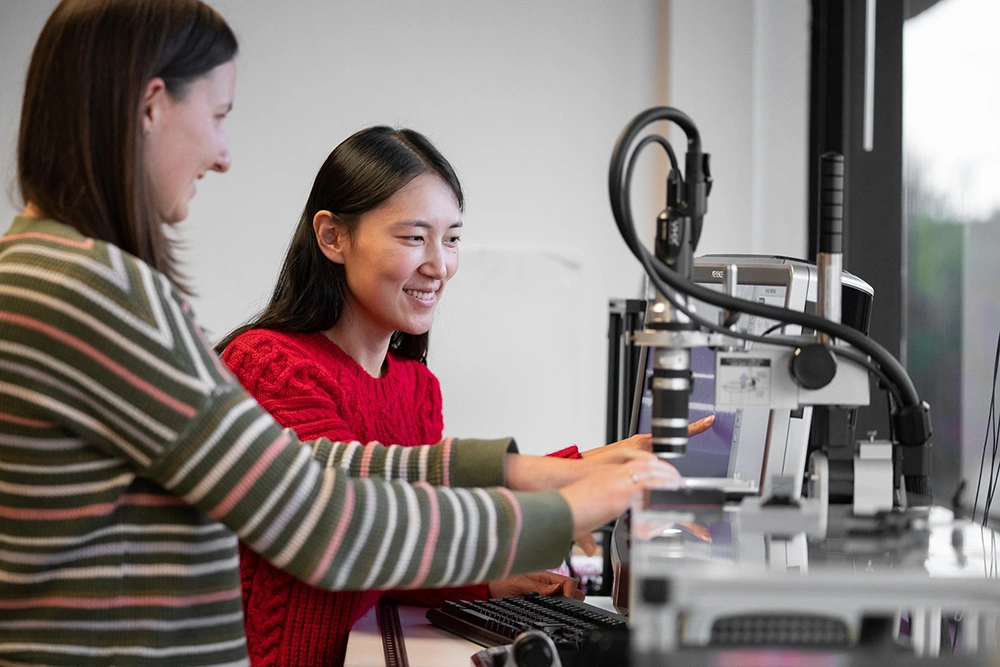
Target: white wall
<point>526,99</point>
<point>740,69</point>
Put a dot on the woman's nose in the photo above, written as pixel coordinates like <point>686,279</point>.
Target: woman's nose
<point>435,265</point>
<point>224,159</point>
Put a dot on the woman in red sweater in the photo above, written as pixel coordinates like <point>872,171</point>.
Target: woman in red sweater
<point>340,352</point>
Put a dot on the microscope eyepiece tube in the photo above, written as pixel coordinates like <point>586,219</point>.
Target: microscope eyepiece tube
<point>671,388</point>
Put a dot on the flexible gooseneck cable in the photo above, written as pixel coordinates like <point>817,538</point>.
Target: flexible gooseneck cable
<point>911,418</point>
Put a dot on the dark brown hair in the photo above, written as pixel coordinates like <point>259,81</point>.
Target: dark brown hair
<point>79,151</point>
<point>360,175</point>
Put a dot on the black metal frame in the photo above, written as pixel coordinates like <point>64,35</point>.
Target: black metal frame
<point>624,317</point>
<point>873,206</point>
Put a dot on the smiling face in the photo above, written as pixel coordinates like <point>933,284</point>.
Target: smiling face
<point>184,137</point>
<point>400,258</point>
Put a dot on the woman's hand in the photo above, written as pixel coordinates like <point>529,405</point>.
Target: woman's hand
<point>700,426</point>
<point>616,451</point>
<point>524,472</point>
<point>612,489</point>
<point>546,583</point>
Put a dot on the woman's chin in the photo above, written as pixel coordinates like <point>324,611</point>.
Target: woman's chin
<point>415,329</point>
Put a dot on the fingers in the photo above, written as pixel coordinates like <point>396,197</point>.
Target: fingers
<point>586,542</point>
<point>544,582</point>
<point>621,450</point>
<point>560,584</point>
<point>701,425</point>
<point>626,455</point>
<point>651,472</point>
<point>642,442</point>
<point>613,488</point>
<point>570,589</point>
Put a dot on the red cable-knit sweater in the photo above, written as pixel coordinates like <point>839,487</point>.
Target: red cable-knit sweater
<point>314,388</point>
<point>311,386</point>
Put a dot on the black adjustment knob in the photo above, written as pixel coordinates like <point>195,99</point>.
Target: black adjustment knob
<point>813,366</point>
<point>533,649</point>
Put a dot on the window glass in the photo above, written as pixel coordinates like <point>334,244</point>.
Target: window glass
<point>951,137</point>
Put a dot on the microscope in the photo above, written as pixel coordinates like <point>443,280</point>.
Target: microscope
<point>828,367</point>
<point>833,553</point>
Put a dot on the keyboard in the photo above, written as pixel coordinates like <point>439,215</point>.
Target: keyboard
<point>566,621</point>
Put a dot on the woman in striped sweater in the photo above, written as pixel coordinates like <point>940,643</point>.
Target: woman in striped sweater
<point>130,459</point>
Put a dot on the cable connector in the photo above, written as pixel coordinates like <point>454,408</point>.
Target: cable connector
<point>912,424</point>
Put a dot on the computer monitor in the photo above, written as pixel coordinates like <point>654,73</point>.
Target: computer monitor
<point>750,444</point>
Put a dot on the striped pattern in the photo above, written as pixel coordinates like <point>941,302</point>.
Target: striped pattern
<point>130,459</point>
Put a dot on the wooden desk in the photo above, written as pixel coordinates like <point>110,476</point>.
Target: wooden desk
<point>426,645</point>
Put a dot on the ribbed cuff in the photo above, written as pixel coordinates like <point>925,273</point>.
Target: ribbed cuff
<point>571,452</point>
<point>546,531</point>
<point>479,462</point>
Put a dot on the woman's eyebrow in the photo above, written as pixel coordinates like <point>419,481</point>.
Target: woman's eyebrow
<point>423,224</point>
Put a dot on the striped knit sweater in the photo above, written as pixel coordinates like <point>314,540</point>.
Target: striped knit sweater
<point>130,459</point>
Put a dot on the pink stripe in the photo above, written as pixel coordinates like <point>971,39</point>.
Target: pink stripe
<point>122,601</point>
<point>251,477</point>
<point>366,459</point>
<point>150,500</point>
<point>446,461</point>
<point>432,535</point>
<point>24,514</point>
<point>97,509</point>
<point>110,364</point>
<point>338,536</point>
<point>516,536</point>
<point>24,421</point>
<point>85,244</point>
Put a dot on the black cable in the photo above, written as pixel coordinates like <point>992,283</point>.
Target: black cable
<point>988,504</point>
<point>995,423</point>
<point>992,422</point>
<point>678,289</point>
<point>646,258</point>
<point>660,272</point>
<point>858,358</point>
<point>990,429</point>
<point>570,569</point>
<point>895,375</point>
<point>657,139</point>
<point>618,161</point>
<point>992,484</point>
<point>768,330</point>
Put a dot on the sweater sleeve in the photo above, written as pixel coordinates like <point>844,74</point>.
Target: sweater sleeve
<point>147,390</point>
<point>283,381</point>
<point>571,452</point>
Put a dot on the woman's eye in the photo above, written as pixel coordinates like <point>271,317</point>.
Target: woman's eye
<point>453,240</point>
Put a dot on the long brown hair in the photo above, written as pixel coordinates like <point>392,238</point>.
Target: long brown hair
<point>360,175</point>
<point>79,150</point>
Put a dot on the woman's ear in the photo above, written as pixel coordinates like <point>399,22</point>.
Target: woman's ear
<point>153,98</point>
<point>331,236</point>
